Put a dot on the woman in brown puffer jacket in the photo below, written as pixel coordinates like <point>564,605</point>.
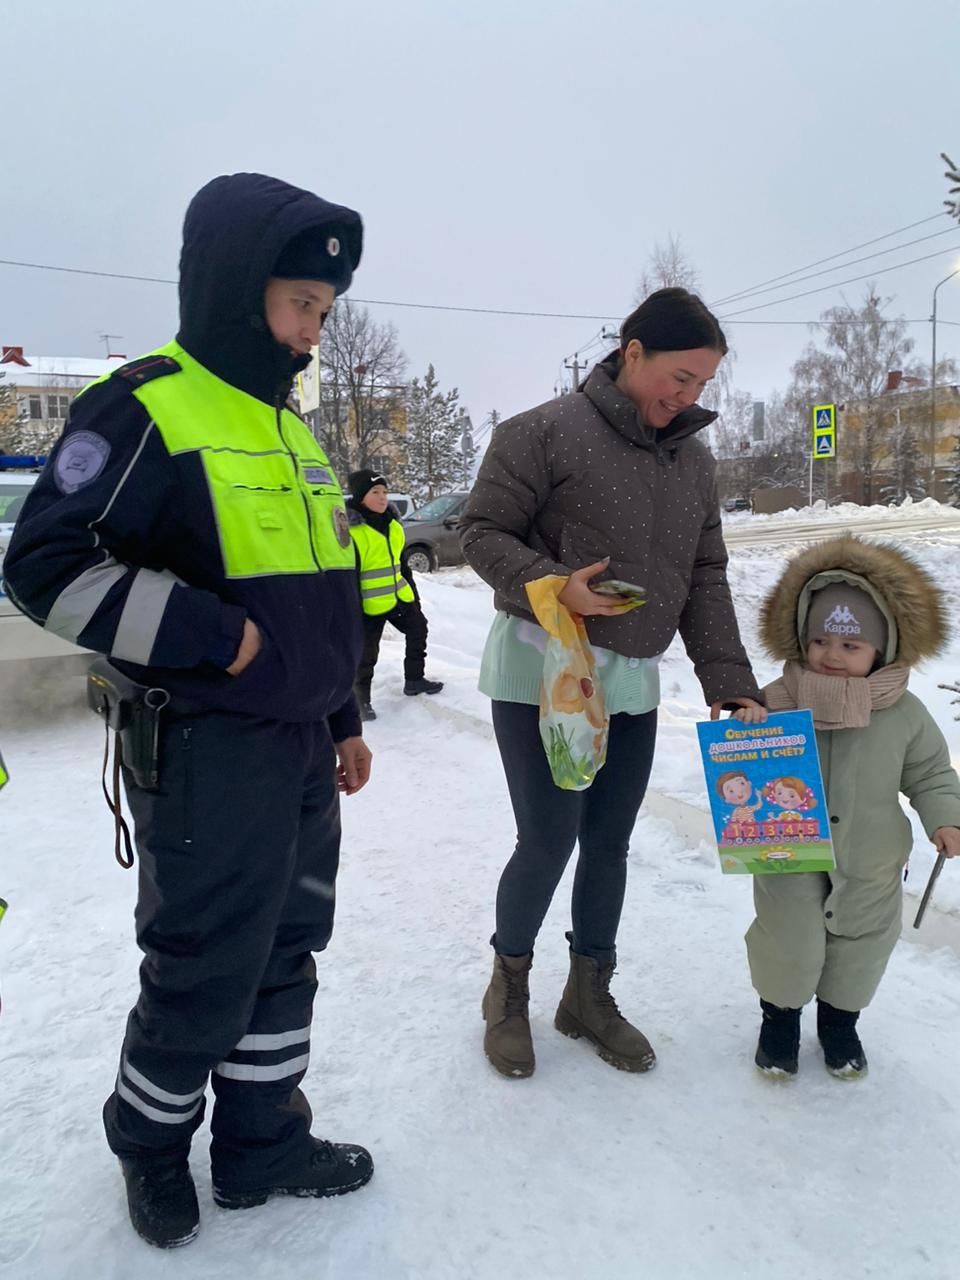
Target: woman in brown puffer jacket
<point>612,481</point>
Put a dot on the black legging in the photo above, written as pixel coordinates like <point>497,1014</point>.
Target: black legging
<point>550,821</point>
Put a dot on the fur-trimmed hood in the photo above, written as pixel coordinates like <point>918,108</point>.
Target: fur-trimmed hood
<point>907,595</point>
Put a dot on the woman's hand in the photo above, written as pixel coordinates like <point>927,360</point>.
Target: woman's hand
<point>749,712</point>
<point>578,598</point>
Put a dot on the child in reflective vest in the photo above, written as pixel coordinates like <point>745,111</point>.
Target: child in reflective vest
<point>387,589</point>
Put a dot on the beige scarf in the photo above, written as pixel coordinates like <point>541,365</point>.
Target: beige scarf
<point>837,702</point>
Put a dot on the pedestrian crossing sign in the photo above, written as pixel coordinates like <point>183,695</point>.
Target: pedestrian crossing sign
<point>824,430</point>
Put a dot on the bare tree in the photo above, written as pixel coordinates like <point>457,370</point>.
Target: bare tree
<point>362,388</point>
<point>786,454</point>
<point>668,267</point>
<point>731,436</point>
<point>861,345</point>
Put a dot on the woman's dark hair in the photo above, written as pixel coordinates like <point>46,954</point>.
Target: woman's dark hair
<point>673,320</point>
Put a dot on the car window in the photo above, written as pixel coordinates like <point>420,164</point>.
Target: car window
<point>437,508</point>
<point>11,499</point>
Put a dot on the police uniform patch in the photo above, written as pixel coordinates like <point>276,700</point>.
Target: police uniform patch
<point>341,526</point>
<point>317,475</point>
<point>82,457</point>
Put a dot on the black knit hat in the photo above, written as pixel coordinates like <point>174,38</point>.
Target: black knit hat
<point>320,253</point>
<point>361,482</point>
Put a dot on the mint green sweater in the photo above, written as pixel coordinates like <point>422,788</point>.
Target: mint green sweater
<point>512,667</point>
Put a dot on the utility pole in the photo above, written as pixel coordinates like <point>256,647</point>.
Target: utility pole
<point>575,366</point>
<point>466,444</point>
<point>933,386</point>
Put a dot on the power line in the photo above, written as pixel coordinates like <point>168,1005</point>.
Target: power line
<point>882,271</point>
<point>502,311</point>
<point>81,271</point>
<point>907,244</point>
<point>830,258</point>
<point>369,302</point>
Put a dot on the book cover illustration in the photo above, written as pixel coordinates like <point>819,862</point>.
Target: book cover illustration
<point>766,794</point>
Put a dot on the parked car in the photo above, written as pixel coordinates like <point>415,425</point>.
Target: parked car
<point>14,487</point>
<point>433,540</point>
<point>737,504</point>
<point>402,503</point>
<point>39,672</point>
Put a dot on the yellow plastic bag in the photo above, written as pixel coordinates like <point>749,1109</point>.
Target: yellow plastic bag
<point>573,719</point>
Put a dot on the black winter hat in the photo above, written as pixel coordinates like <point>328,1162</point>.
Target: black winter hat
<point>361,482</point>
<point>319,253</point>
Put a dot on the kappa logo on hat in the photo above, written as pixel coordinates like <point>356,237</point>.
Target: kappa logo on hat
<point>333,247</point>
<point>842,622</point>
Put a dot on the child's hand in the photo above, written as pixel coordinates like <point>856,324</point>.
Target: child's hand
<point>749,713</point>
<point>947,840</point>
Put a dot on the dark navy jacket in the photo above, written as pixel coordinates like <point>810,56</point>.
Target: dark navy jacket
<point>146,509</point>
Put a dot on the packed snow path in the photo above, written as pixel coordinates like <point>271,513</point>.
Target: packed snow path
<point>700,1169</point>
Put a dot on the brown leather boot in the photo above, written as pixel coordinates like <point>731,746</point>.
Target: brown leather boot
<point>507,1041</point>
<point>588,1009</point>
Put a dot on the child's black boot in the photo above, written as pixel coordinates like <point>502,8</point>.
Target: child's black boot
<point>842,1051</point>
<point>779,1046</point>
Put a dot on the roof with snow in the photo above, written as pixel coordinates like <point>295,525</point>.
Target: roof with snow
<point>24,370</point>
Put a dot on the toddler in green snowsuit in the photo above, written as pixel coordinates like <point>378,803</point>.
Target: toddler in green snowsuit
<point>849,619</point>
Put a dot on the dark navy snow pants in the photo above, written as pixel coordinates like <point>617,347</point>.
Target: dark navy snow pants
<point>238,856</point>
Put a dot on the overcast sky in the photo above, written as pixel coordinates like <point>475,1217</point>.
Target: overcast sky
<point>522,155</point>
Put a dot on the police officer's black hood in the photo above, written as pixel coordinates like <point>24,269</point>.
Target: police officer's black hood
<point>233,234</point>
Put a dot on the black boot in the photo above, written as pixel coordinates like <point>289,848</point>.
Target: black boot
<point>842,1050</point>
<point>779,1047</point>
<point>162,1201</point>
<point>412,687</point>
<point>362,692</point>
<point>330,1169</point>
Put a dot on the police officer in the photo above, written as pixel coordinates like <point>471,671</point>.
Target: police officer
<point>189,526</point>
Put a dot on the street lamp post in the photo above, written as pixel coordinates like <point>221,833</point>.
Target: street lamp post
<point>933,385</point>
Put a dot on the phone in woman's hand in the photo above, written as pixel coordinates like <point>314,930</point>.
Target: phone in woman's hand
<point>614,587</point>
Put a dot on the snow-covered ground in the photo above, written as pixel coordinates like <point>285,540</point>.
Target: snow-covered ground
<point>699,1170</point>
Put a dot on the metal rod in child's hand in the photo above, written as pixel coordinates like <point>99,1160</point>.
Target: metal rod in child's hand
<point>928,891</point>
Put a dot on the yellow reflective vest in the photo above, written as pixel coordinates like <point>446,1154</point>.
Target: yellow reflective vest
<point>382,584</point>
<point>254,476</point>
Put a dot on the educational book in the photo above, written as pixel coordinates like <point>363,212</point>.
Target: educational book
<point>766,794</point>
